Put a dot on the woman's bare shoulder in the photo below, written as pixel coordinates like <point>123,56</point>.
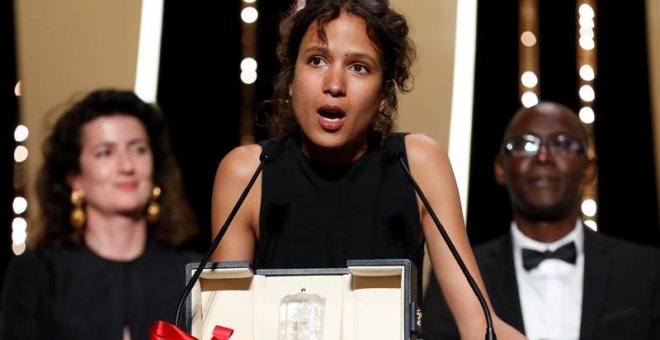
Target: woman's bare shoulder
<point>241,161</point>
<point>421,147</point>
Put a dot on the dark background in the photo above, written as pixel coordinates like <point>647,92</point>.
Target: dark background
<point>628,204</point>
<point>8,122</point>
<point>199,92</point>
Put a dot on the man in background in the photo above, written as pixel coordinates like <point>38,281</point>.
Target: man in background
<point>550,276</point>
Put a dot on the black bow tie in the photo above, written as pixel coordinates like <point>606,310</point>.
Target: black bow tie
<point>532,258</point>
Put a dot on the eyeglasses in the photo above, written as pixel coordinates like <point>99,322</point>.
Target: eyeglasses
<point>529,145</point>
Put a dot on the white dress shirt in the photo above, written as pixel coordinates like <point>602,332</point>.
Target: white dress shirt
<point>550,294</point>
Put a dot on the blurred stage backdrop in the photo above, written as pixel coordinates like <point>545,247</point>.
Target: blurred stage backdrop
<point>476,66</point>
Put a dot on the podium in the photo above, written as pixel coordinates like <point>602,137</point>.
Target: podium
<point>368,299</point>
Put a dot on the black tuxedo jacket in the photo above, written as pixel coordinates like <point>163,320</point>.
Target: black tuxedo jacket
<point>620,300</point>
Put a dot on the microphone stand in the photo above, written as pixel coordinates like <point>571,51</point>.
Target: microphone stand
<point>265,158</point>
<point>490,331</point>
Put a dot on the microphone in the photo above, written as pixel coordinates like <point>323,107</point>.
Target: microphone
<point>268,153</point>
<point>394,150</point>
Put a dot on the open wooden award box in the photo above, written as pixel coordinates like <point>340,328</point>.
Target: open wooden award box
<point>368,299</point>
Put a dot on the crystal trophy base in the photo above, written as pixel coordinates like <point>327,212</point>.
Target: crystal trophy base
<point>301,317</point>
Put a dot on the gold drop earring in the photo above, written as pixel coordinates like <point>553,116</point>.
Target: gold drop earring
<point>153,210</point>
<point>78,217</point>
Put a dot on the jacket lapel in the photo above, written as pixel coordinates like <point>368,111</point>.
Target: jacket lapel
<point>503,286</point>
<point>594,287</point>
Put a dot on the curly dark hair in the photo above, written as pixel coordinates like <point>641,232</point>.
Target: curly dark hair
<point>61,149</point>
<point>385,27</point>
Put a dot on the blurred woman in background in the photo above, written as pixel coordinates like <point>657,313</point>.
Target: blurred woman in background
<point>103,262</point>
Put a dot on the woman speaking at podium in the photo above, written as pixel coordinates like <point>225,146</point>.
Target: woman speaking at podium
<point>330,192</point>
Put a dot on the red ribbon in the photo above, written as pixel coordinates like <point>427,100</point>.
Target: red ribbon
<point>165,330</point>
<point>222,333</point>
<point>162,330</point>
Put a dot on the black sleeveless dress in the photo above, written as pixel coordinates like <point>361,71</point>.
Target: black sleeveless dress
<point>317,216</point>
